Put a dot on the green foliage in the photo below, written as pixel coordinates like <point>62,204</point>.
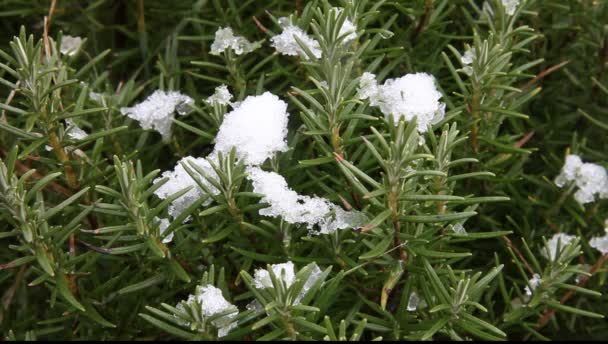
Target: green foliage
<point>84,253</point>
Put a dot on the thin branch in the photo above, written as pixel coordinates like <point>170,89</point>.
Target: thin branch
<point>543,74</point>
<point>259,25</point>
<point>521,256</point>
<point>542,322</point>
<point>428,7</point>
<point>9,295</point>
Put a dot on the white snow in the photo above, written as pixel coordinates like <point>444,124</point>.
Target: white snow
<point>563,239</point>
<point>163,225</point>
<point>408,97</point>
<point>591,179</point>
<point>157,111</point>
<point>600,243</point>
<point>286,273</point>
<point>295,208</point>
<point>534,282</point>
<point>510,6</point>
<point>221,96</point>
<point>257,128</point>
<point>179,179</point>
<point>225,39</point>
<point>348,28</point>
<point>413,302</point>
<point>467,59</point>
<point>70,45</point>
<point>73,131</point>
<point>286,44</point>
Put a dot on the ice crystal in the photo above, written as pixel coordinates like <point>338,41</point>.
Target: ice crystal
<point>163,225</point>
<point>510,6</point>
<point>70,45</point>
<point>459,229</point>
<point>467,59</point>
<point>73,131</point>
<point>534,282</point>
<point>413,302</point>
<point>97,97</point>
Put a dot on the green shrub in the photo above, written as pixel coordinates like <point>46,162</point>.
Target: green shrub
<point>303,170</point>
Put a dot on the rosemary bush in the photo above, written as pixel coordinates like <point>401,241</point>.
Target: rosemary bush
<point>303,170</point>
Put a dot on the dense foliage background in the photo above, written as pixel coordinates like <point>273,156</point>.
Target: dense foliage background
<point>540,94</point>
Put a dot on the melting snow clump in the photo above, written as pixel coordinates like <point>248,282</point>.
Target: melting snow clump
<point>157,111</point>
<point>257,128</point>
<point>408,97</point>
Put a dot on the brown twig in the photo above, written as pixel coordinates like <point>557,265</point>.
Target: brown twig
<point>543,74</point>
<point>94,248</point>
<point>521,142</point>
<point>603,56</point>
<point>428,7</point>
<point>542,322</point>
<point>8,296</point>
<point>47,25</point>
<point>521,256</point>
<point>21,169</point>
<point>259,25</point>
<point>9,99</point>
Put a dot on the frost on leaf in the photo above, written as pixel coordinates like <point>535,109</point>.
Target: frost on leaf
<point>348,28</point>
<point>467,59</point>
<point>579,277</point>
<point>591,179</point>
<point>368,88</point>
<point>70,45</point>
<point>552,244</point>
<point>163,225</point>
<point>257,129</point>
<point>601,243</point>
<point>459,229</point>
<point>534,282</point>
<point>286,273</point>
<point>294,208</point>
<point>97,97</point>
<point>510,6</point>
<point>179,179</point>
<point>207,302</point>
<point>225,39</point>
<point>73,131</point>
<point>408,97</point>
<point>221,96</point>
<point>157,111</point>
<point>314,276</point>
<point>412,303</point>
<point>286,44</point>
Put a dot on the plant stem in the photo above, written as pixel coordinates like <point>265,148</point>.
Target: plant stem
<point>474,110</point>
<point>393,206</point>
<point>64,159</point>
